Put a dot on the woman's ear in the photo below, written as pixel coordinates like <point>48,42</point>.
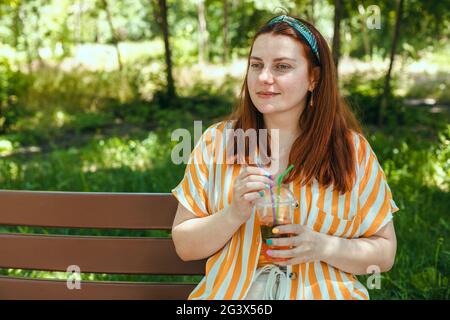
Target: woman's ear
<point>314,78</point>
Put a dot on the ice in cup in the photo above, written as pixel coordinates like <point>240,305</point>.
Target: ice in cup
<point>275,208</point>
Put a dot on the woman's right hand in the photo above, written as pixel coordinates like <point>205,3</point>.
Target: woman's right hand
<point>246,191</point>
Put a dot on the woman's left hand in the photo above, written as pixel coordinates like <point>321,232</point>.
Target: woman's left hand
<point>306,245</point>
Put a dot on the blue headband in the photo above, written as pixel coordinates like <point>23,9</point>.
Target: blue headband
<point>301,29</point>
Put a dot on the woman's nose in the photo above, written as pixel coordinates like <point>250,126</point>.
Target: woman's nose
<point>266,75</point>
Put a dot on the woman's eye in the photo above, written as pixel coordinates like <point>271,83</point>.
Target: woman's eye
<point>255,65</point>
<point>283,67</point>
<point>279,67</point>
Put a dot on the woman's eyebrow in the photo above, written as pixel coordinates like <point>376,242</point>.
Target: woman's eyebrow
<point>276,59</point>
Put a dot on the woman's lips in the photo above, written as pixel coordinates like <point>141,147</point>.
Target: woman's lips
<point>267,96</point>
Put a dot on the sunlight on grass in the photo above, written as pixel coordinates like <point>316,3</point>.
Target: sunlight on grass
<point>60,118</point>
<point>102,57</point>
<point>117,153</point>
<point>6,147</point>
<point>85,276</point>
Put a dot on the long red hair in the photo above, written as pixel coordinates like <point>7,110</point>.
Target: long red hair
<point>324,150</point>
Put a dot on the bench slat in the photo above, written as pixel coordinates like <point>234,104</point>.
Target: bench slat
<point>95,254</point>
<point>22,288</point>
<point>88,210</point>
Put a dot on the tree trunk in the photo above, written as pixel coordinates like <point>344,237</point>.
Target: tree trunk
<point>38,44</point>
<point>337,32</point>
<point>365,34</point>
<point>312,17</point>
<point>225,32</point>
<point>16,25</point>
<point>387,80</point>
<point>162,6</point>
<point>203,36</point>
<point>113,33</point>
<point>22,19</point>
<point>78,22</point>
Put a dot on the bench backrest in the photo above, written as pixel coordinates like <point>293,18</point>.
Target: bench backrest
<point>113,255</point>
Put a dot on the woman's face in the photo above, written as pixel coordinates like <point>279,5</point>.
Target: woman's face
<point>278,78</point>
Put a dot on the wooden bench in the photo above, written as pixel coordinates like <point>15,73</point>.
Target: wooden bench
<point>110,255</point>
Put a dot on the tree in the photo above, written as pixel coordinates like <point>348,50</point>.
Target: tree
<point>305,8</point>
<point>114,36</point>
<point>337,32</point>
<point>161,16</point>
<point>225,56</point>
<point>387,85</point>
<point>203,33</point>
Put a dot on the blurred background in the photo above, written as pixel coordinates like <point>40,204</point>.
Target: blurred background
<point>90,91</point>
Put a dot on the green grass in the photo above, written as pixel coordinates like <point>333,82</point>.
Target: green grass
<point>113,164</point>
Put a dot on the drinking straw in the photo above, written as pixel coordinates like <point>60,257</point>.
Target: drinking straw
<point>280,178</point>
<point>271,195</point>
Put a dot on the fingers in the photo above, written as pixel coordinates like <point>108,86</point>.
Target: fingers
<point>288,228</point>
<point>249,185</point>
<point>252,196</point>
<point>283,242</point>
<point>293,229</point>
<point>253,179</point>
<point>258,178</point>
<point>253,192</point>
<point>249,170</point>
<point>254,186</point>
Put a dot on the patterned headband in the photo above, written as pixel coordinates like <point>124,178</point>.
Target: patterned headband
<point>301,29</point>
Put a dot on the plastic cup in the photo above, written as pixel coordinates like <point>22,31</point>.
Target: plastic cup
<point>275,208</point>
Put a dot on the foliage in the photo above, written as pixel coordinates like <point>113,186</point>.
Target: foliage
<point>12,86</point>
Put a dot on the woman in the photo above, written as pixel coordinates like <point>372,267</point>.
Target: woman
<point>343,224</point>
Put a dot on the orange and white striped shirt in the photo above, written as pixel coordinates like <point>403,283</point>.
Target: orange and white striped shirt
<point>206,189</point>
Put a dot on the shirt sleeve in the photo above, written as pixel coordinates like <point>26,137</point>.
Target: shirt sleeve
<point>192,192</point>
<point>376,204</point>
